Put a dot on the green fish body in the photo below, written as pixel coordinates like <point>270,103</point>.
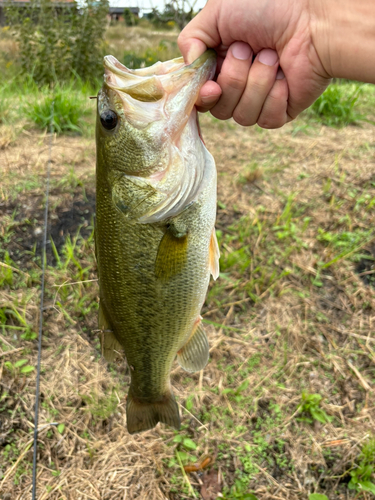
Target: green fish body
<point>155,237</point>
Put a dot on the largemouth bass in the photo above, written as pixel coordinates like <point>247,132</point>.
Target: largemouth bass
<point>155,235</point>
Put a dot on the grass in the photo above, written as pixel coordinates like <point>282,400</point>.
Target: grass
<point>364,469</point>
<point>285,406</point>
<point>336,107</point>
<point>311,411</point>
<point>31,108</point>
<point>59,111</point>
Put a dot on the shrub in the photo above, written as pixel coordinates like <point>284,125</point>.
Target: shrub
<point>129,18</point>
<point>57,41</point>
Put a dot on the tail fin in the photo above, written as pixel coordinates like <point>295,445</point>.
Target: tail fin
<point>141,416</point>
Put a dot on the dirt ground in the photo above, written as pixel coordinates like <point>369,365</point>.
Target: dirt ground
<point>291,314</point>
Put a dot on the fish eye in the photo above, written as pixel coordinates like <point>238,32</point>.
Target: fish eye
<point>108,119</point>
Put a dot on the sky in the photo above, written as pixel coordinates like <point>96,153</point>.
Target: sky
<point>147,4</point>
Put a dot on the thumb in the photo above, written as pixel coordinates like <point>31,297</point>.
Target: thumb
<point>201,33</point>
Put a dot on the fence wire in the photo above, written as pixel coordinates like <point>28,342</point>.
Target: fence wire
<point>44,258</point>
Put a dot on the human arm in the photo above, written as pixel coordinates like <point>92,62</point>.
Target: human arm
<point>311,40</point>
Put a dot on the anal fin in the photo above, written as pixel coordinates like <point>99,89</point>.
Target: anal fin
<point>214,256</point>
<point>193,356</point>
<point>110,345</point>
<point>141,416</point>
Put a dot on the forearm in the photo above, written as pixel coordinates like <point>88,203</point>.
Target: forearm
<point>343,33</point>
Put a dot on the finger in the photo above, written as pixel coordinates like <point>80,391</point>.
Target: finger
<point>208,96</point>
<point>232,79</point>
<point>273,114</point>
<point>200,33</point>
<point>303,94</point>
<point>260,80</point>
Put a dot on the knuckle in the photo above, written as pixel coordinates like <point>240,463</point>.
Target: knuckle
<point>272,123</point>
<point>234,81</point>
<point>220,113</point>
<point>261,85</point>
<point>278,93</point>
<point>272,117</point>
<point>242,119</point>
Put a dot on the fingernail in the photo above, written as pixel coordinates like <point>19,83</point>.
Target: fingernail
<point>241,51</point>
<point>280,74</point>
<point>268,57</point>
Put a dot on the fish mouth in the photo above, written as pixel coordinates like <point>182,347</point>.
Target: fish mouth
<point>163,79</point>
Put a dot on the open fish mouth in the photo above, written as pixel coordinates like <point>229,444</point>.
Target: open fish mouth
<point>155,140</point>
<point>163,78</point>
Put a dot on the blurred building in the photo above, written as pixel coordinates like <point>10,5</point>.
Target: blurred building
<point>117,13</point>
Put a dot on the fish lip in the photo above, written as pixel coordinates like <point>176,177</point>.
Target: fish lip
<point>113,65</point>
<point>130,79</point>
<point>208,55</point>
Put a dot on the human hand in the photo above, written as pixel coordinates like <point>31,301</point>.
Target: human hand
<point>268,67</point>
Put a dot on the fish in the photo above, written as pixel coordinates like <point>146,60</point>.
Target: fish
<point>155,237</point>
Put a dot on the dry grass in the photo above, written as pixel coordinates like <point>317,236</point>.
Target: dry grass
<point>121,39</point>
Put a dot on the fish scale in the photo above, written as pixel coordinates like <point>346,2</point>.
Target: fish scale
<point>154,235</point>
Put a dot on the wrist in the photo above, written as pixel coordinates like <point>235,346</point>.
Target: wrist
<point>343,34</point>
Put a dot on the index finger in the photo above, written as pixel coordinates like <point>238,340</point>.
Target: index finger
<point>201,33</point>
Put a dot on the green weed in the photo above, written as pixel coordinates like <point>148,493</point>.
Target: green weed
<point>63,112</point>
<point>236,394</point>
<point>4,111</point>
<point>6,271</point>
<point>101,407</point>
<point>310,409</point>
<point>70,181</point>
<point>186,442</point>
<point>14,315</point>
<point>235,493</point>
<point>10,452</point>
<point>363,474</point>
<point>317,496</point>
<point>336,106</point>
<point>348,243</point>
<point>18,368</point>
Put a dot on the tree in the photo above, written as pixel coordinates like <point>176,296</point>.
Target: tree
<point>178,11</point>
<point>129,18</point>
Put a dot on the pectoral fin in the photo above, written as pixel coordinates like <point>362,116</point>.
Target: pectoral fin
<point>108,341</point>
<point>172,255</point>
<point>214,256</point>
<point>194,354</point>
